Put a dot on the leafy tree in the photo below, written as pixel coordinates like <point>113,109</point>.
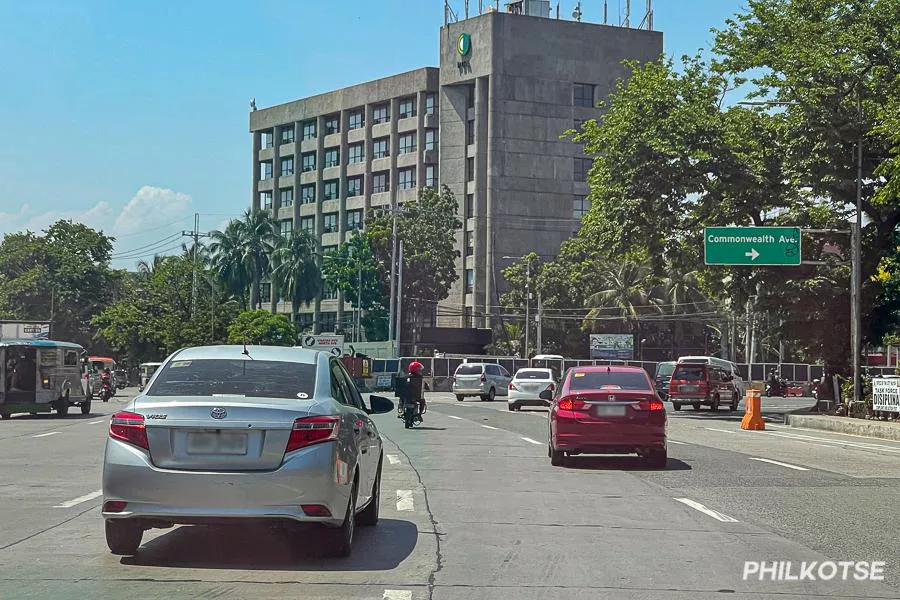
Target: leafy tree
<point>241,255</point>
<point>294,269</point>
<point>353,269</point>
<point>263,328</point>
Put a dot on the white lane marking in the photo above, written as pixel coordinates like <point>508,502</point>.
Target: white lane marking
<point>394,460</point>
<point>80,499</point>
<point>679,443</point>
<point>780,464</point>
<point>40,435</point>
<point>457,418</point>
<point>707,511</point>
<point>489,427</point>
<point>397,595</point>
<point>720,430</point>
<point>531,441</point>
<point>405,500</point>
<point>97,422</point>
<point>810,438</point>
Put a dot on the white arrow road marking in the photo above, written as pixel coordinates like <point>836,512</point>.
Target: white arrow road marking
<point>674,442</point>
<point>707,511</point>
<point>80,499</point>
<point>397,595</point>
<point>531,441</point>
<point>489,427</point>
<point>40,435</point>
<point>752,254</point>
<point>394,460</point>
<point>457,418</point>
<point>720,430</point>
<point>405,500</point>
<point>97,422</point>
<point>780,464</point>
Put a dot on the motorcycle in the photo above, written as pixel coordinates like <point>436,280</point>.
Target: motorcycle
<point>106,391</point>
<point>409,412</point>
<point>777,388</point>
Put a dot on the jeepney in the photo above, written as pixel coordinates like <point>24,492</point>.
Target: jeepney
<point>147,371</point>
<point>42,375</point>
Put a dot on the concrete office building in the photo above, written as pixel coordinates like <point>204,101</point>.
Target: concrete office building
<point>487,124</point>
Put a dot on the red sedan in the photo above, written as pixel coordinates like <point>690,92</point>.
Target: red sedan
<point>607,410</point>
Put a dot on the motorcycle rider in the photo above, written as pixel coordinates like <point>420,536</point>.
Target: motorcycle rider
<point>417,384</point>
<point>106,381</point>
<point>774,383</point>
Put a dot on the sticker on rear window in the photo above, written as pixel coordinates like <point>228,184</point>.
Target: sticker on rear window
<point>180,363</point>
<point>579,374</point>
<point>302,395</point>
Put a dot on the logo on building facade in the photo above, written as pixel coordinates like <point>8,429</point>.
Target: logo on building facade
<point>464,49</point>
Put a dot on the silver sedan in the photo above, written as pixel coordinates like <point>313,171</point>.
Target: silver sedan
<point>233,434</point>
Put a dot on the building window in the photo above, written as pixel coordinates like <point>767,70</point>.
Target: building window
<point>470,205</point>
<point>287,197</point>
<point>380,148</point>
<point>407,143</point>
<point>356,119</point>
<point>331,189</point>
<point>584,95</point>
<point>308,161</point>
<point>356,154</point>
<point>332,157</point>
<point>354,220</point>
<point>308,224</point>
<point>327,321</point>
<point>381,114</point>
<point>470,169</point>
<point>431,176</point>
<point>305,321</point>
<point>332,124</point>
<point>265,292</point>
<point>309,129</point>
<point>470,243</point>
<point>467,316</point>
<point>354,186</point>
<point>580,206</point>
<point>330,223</point>
<point>470,132</point>
<point>265,139</point>
<point>407,178</point>
<point>430,139</point>
<point>287,166</point>
<point>407,107</point>
<point>308,193</point>
<point>287,225</point>
<point>329,293</point>
<point>430,104</point>
<point>265,200</point>
<point>470,97</point>
<point>582,167</point>
<point>265,170</point>
<point>287,134</point>
<point>380,182</point>
<point>329,249</point>
<point>470,281</point>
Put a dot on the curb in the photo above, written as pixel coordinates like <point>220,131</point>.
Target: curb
<point>859,427</point>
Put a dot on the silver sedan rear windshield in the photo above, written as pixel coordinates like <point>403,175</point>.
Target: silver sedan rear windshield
<point>236,377</point>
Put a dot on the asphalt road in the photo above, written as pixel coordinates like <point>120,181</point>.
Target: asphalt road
<point>473,510</point>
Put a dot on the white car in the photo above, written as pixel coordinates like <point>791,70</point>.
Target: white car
<point>526,387</point>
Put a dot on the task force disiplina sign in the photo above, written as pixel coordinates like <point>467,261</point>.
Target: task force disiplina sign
<point>327,343</point>
<point>886,394</point>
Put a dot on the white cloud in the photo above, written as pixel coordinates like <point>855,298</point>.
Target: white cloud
<point>151,207</point>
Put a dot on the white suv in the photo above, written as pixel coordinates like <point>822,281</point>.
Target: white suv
<point>485,380</point>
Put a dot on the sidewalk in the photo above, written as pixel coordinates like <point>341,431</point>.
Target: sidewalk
<point>885,430</point>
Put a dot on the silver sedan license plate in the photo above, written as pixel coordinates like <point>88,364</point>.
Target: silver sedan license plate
<point>217,443</point>
<point>610,410</point>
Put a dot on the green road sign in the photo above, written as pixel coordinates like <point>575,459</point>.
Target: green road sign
<point>752,245</point>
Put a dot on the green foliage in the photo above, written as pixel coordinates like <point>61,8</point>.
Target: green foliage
<point>263,328</point>
<point>241,255</point>
<point>294,268</point>
<point>353,269</point>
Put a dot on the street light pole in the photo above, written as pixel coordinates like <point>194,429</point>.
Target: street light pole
<point>856,293</point>
<point>527,306</point>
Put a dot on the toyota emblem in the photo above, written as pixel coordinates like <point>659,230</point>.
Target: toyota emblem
<point>218,413</point>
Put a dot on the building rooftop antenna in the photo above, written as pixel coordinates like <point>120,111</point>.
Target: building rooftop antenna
<point>606,12</point>
<point>648,17</point>
<point>576,14</point>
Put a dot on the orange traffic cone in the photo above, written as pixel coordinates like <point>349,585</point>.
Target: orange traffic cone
<point>753,412</point>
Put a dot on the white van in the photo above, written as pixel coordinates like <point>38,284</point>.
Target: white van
<point>739,382</point>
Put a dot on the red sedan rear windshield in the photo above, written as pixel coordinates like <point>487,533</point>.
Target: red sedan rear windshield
<point>609,380</point>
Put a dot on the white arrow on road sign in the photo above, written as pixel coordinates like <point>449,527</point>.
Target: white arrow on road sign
<point>752,254</point>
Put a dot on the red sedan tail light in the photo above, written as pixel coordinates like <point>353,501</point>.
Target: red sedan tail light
<point>652,405</point>
<point>129,427</point>
<point>312,430</point>
<point>315,510</point>
<point>569,403</point>
<point>114,506</point>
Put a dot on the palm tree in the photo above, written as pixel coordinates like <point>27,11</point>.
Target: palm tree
<point>295,270</point>
<point>147,268</point>
<point>229,259</point>
<point>625,288</point>
<point>260,237</point>
<point>679,293</point>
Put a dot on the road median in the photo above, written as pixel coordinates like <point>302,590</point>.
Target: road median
<point>862,427</point>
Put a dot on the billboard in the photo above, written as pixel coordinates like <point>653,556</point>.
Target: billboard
<point>612,346</point>
<point>11,330</point>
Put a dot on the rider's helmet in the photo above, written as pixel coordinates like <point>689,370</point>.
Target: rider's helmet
<point>416,367</point>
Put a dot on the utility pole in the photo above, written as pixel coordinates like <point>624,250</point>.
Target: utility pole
<point>527,306</point>
<point>393,298</point>
<point>855,295</point>
<point>399,302</point>
<point>540,324</point>
<point>359,306</point>
<point>196,235</point>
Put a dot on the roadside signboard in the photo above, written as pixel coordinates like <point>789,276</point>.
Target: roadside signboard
<point>10,330</point>
<point>327,343</point>
<point>886,394</point>
<point>612,346</point>
<point>767,246</point>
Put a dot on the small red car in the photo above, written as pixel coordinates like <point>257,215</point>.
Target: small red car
<point>607,410</point>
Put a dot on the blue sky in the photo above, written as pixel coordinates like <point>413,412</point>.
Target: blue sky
<point>133,115</point>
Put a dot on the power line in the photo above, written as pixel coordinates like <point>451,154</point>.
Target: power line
<point>126,253</point>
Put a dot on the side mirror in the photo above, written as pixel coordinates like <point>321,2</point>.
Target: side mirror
<point>546,395</point>
<point>380,405</point>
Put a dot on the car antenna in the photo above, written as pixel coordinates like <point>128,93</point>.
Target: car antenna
<point>246,352</point>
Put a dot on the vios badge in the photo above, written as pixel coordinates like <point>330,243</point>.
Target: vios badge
<point>463,44</point>
<point>218,413</point>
